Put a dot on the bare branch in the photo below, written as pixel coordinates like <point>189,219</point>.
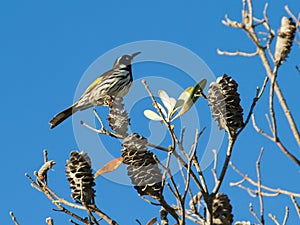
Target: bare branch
<point>297,207</point>
<point>274,190</point>
<point>260,130</point>
<point>102,130</point>
<point>42,173</point>
<point>49,221</point>
<point>290,13</point>
<point>248,27</point>
<point>259,93</point>
<point>261,203</point>
<point>274,219</point>
<point>14,219</point>
<point>214,169</point>
<point>57,201</point>
<point>254,214</point>
<point>225,165</point>
<point>196,162</point>
<point>167,169</point>
<point>271,103</point>
<point>277,141</point>
<point>237,53</point>
<point>167,123</point>
<point>231,23</point>
<point>286,216</point>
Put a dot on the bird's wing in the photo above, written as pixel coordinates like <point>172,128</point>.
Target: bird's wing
<point>95,82</point>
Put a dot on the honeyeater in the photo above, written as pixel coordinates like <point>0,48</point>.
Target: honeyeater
<point>114,83</point>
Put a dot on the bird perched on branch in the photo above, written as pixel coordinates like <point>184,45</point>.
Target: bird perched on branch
<point>113,83</point>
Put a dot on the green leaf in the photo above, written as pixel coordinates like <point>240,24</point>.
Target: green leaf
<point>199,87</point>
<point>184,102</point>
<point>188,97</point>
<point>152,115</point>
<point>182,98</point>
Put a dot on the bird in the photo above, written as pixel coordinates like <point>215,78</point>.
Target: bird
<point>116,82</point>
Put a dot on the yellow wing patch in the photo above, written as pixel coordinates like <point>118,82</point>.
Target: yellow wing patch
<point>92,85</point>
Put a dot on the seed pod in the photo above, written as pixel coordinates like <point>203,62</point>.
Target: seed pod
<point>118,117</point>
<point>80,177</point>
<point>224,101</point>
<point>285,39</point>
<point>142,167</point>
<point>221,209</point>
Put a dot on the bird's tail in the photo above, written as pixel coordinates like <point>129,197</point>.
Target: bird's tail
<point>60,117</point>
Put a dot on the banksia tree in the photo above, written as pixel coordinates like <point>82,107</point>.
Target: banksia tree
<point>221,209</point>
<point>224,101</point>
<point>80,177</point>
<point>142,167</point>
<point>285,39</point>
<point>118,117</point>
<point>153,179</point>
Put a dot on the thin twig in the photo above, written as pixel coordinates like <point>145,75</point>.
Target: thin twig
<point>286,216</point>
<point>104,216</point>
<point>57,201</point>
<point>290,13</point>
<point>191,159</point>
<point>196,161</point>
<point>259,93</point>
<point>261,203</point>
<point>166,122</point>
<point>247,26</point>
<point>274,219</point>
<point>225,165</point>
<point>158,147</point>
<point>252,182</point>
<point>73,222</point>
<point>297,207</point>
<point>237,53</point>
<point>167,170</point>
<point>14,219</point>
<point>49,221</point>
<point>170,210</point>
<point>174,138</point>
<point>254,213</point>
<point>214,169</point>
<point>260,130</point>
<point>277,141</point>
<point>271,103</point>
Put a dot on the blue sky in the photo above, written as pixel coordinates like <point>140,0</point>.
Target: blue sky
<point>46,48</point>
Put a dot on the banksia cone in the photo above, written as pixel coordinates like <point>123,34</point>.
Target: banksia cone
<point>142,168</point>
<point>224,101</point>
<point>285,39</point>
<point>221,210</point>
<point>80,177</point>
<point>118,117</point>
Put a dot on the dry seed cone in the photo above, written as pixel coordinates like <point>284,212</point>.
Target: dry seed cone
<point>224,101</point>
<point>142,168</point>
<point>80,177</point>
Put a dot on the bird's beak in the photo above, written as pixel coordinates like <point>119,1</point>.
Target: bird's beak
<point>135,54</point>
